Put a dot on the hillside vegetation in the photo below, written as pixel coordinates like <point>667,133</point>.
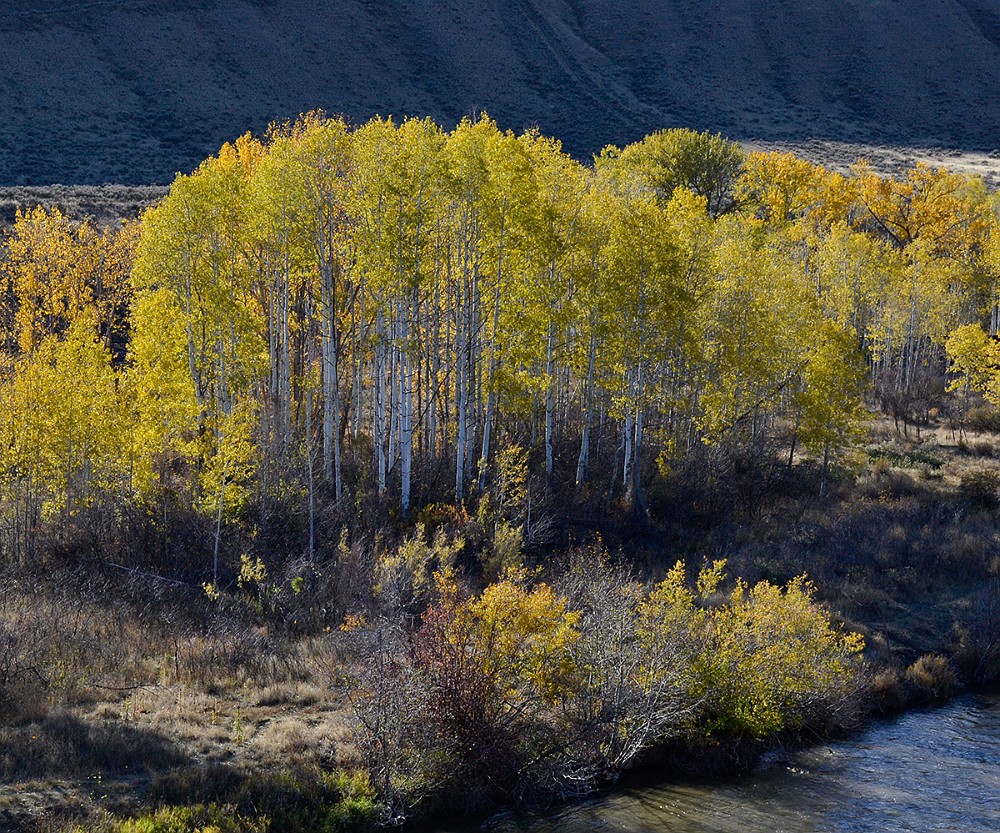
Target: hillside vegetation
<point>132,91</point>
<point>384,470</point>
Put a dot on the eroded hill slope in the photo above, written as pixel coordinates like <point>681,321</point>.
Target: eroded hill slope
<point>135,90</point>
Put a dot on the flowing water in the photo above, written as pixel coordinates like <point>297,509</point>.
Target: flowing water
<point>925,771</point>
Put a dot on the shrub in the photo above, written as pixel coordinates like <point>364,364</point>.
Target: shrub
<point>981,486</point>
<point>983,419</point>
<point>977,637</point>
<point>880,466</point>
<point>982,448</point>
<point>24,638</point>
<point>462,707</point>
<point>763,660</point>
<point>396,743</point>
<point>933,677</point>
<point>530,688</point>
<point>890,486</point>
<point>493,668</point>
<point>506,553</point>
<point>890,691</point>
<point>404,580</point>
<point>638,691</point>
<point>775,662</point>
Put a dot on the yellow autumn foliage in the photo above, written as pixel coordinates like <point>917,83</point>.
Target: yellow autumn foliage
<point>758,659</point>
<point>523,639</point>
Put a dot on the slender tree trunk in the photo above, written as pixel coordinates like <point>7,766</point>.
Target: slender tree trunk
<point>405,412</point>
<point>637,494</point>
<point>628,436</point>
<point>218,526</point>
<point>550,397</point>
<point>491,400</point>
<point>309,477</point>
<point>434,375</point>
<point>583,461</point>
<point>359,358</point>
<point>826,469</point>
<point>331,382</point>
<point>393,388</point>
<point>472,372</point>
<point>380,426</point>
<point>462,380</point>
<point>285,379</point>
<point>795,437</point>
<point>621,459</point>
<point>462,428</point>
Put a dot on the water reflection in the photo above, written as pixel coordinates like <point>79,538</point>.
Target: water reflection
<point>927,771</point>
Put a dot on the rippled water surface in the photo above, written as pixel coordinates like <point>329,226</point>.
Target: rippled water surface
<point>926,771</point>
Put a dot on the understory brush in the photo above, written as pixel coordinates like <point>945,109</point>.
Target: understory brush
<point>539,689</point>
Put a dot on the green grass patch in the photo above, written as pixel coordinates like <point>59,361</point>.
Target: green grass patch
<point>905,459</point>
<point>311,801</point>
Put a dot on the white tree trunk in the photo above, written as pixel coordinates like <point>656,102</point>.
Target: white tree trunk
<point>629,437</point>
<point>583,461</point>
<point>405,413</point>
<point>380,403</point>
<point>330,339</point>
<point>550,403</point>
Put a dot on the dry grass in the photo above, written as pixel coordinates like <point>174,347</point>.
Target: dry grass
<point>903,551</point>
<point>104,702</point>
<point>889,691</point>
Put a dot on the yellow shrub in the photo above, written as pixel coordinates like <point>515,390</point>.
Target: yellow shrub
<point>774,654</point>
<point>760,661</point>
<point>523,639</point>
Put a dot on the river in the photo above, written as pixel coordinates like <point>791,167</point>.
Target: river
<point>928,770</point>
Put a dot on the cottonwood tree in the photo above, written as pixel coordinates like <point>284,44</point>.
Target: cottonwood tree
<point>704,163</point>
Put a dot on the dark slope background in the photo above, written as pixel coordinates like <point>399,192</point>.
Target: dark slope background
<point>132,91</point>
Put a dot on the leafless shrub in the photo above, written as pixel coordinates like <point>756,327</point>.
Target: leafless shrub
<point>25,640</point>
<point>386,696</point>
<point>977,636</point>
<point>623,710</point>
<point>890,691</point>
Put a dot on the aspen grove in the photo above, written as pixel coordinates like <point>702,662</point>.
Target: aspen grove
<point>333,319</point>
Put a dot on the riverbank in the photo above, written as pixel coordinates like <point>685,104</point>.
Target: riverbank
<point>926,769</point>
<point>137,693</point>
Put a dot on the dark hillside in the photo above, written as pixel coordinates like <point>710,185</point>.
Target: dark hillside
<point>134,90</point>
